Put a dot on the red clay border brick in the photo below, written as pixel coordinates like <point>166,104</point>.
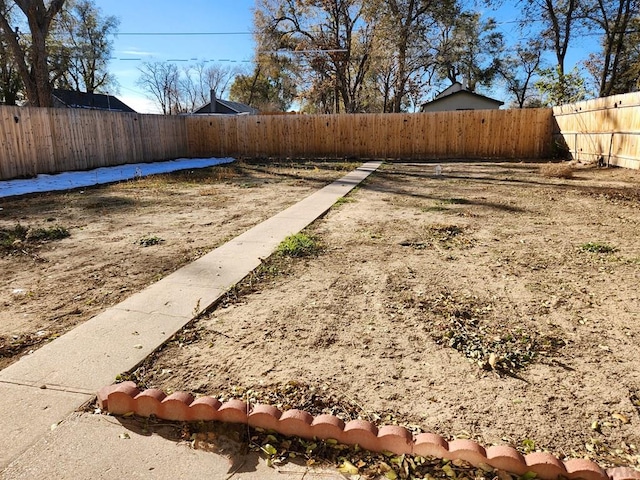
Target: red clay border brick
<point>126,398</point>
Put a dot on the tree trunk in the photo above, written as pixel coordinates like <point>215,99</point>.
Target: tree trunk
<point>614,32</point>
<point>40,67</point>
<point>401,81</point>
<point>34,75</point>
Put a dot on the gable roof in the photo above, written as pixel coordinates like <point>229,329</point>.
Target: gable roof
<point>464,92</point>
<point>457,89</point>
<point>91,101</point>
<point>227,107</point>
<point>453,88</point>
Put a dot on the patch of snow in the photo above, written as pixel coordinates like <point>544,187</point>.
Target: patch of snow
<point>69,180</point>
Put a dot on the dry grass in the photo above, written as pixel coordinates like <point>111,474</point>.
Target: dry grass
<point>557,170</point>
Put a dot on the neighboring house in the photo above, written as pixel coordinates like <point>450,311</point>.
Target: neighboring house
<point>457,97</point>
<point>225,107</point>
<point>90,101</point>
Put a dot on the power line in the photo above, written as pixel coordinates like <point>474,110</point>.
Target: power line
<point>212,60</point>
<point>315,50</point>
<point>193,34</point>
<point>177,34</point>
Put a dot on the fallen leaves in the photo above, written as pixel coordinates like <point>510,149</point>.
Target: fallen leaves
<point>469,325</point>
<point>621,417</point>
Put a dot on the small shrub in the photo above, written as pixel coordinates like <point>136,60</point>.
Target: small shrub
<point>435,208</point>
<point>17,237</point>
<point>341,166</point>
<point>455,201</point>
<point>557,170</point>
<point>441,235</point>
<point>47,234</point>
<point>8,236</point>
<point>298,245</point>
<point>150,241</point>
<point>528,445</point>
<point>597,247</point>
<point>343,200</point>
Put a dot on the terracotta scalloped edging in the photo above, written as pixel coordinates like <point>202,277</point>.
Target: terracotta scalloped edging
<point>125,398</point>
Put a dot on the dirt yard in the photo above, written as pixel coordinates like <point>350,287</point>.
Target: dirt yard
<point>490,302</point>
<point>125,236</point>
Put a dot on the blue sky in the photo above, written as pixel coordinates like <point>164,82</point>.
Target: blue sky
<point>216,16</point>
<point>144,16</point>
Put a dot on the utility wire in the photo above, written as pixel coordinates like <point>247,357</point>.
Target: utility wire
<point>177,34</point>
<point>193,34</point>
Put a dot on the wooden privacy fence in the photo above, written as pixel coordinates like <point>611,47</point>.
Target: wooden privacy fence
<point>37,140</point>
<point>606,129</point>
<point>43,140</point>
<point>464,134</point>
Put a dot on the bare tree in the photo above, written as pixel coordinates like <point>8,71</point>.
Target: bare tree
<point>31,60</point>
<point>200,80</point>
<point>161,81</point>
<point>519,69</point>
<point>217,78</point>
<point>614,18</point>
<point>560,18</point>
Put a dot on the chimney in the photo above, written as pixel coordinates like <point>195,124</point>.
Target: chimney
<point>212,106</point>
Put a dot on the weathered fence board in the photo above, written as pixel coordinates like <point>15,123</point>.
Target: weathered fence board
<point>36,140</point>
<point>472,134</point>
<point>606,129</point>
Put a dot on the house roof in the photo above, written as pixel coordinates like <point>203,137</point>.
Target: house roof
<point>92,101</point>
<point>454,87</point>
<point>457,90</point>
<point>227,107</point>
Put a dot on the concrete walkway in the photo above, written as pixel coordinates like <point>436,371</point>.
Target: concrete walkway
<point>48,386</point>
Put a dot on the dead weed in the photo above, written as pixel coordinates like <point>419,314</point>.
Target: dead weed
<point>440,235</point>
<point>469,325</point>
<point>557,170</point>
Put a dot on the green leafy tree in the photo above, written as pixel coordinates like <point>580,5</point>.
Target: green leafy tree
<point>82,40</point>
<point>330,41</point>
<point>263,91</point>
<point>470,50</point>
<point>10,82</point>
<point>558,88</point>
<point>562,21</point>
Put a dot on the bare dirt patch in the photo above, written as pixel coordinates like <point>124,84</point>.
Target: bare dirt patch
<point>491,303</point>
<point>66,256</point>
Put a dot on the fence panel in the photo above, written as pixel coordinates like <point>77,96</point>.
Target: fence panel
<point>42,140</point>
<point>55,140</point>
<point>606,129</point>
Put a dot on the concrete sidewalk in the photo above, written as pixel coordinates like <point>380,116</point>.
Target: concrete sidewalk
<point>87,446</point>
<point>46,387</point>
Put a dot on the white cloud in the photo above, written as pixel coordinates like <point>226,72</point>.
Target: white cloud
<point>136,53</point>
<point>140,104</point>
